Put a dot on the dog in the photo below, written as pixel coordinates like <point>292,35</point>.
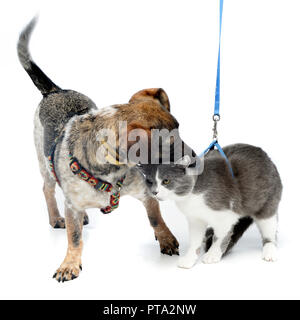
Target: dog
<point>66,136</point>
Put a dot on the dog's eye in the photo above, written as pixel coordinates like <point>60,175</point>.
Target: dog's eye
<point>148,181</point>
<point>166,181</point>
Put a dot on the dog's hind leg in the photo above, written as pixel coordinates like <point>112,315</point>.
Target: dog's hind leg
<point>71,266</point>
<point>55,219</point>
<point>168,243</point>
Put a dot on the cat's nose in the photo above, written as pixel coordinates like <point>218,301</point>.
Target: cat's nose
<point>154,193</point>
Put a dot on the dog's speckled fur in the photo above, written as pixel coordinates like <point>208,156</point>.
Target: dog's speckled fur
<point>75,120</point>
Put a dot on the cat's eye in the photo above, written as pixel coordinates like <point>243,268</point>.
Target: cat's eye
<point>166,181</point>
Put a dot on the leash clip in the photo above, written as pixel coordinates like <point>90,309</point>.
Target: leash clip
<point>216,118</point>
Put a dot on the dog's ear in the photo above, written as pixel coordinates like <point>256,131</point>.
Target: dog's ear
<point>156,94</point>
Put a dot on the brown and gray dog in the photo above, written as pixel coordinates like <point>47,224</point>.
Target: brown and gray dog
<point>67,122</point>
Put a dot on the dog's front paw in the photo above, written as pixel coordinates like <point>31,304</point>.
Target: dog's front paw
<point>187,261</point>
<point>212,256</point>
<point>168,243</point>
<point>67,271</point>
<point>58,223</point>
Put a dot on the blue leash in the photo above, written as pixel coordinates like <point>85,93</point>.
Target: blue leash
<point>217,93</point>
<point>216,116</point>
<point>216,145</point>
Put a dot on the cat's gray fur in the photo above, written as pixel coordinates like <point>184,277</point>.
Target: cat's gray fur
<point>253,193</point>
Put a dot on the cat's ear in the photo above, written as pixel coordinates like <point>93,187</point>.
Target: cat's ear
<point>185,161</point>
<point>195,167</point>
<point>156,94</point>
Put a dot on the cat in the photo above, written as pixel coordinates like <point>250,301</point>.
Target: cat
<point>216,199</point>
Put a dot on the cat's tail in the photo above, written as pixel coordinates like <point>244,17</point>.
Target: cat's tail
<point>238,230</point>
<point>41,81</point>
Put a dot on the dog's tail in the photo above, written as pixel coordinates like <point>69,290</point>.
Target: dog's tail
<point>238,230</point>
<point>41,81</point>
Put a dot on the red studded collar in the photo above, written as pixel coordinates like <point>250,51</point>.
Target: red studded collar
<point>96,183</point>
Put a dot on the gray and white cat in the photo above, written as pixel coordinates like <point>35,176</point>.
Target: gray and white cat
<point>216,199</point>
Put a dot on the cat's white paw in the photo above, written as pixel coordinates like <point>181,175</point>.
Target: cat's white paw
<point>186,262</point>
<point>269,252</point>
<point>212,256</point>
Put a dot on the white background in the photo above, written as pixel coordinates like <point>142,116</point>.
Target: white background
<point>108,50</point>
